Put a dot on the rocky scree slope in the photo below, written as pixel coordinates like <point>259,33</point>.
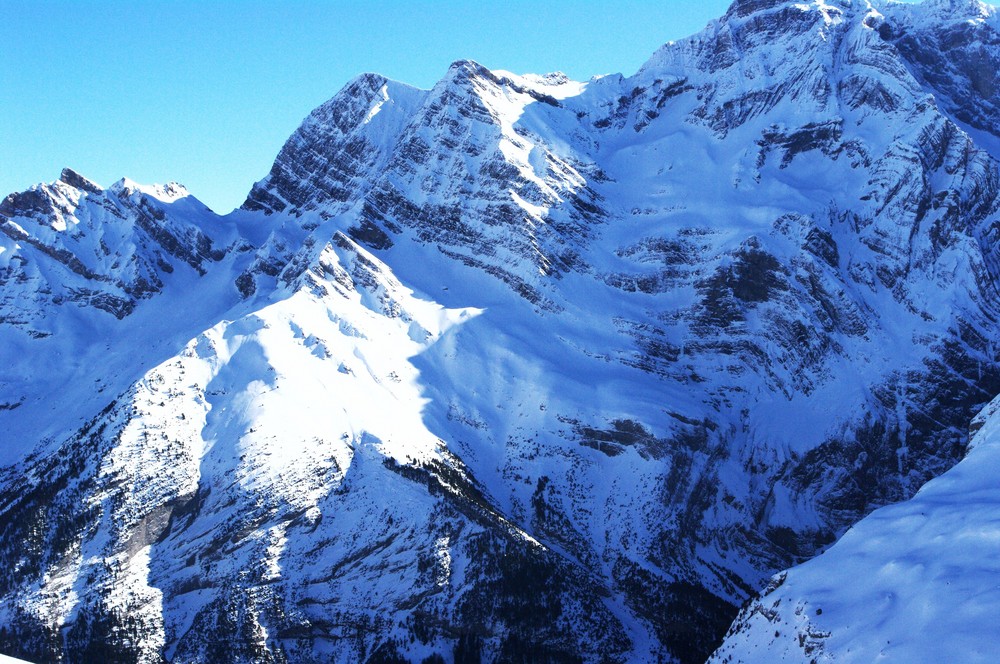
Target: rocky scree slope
<point>514,367</point>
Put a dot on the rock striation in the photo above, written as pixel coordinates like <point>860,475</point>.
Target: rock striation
<point>513,369</point>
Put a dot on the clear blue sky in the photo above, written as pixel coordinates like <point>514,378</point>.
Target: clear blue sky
<point>205,93</point>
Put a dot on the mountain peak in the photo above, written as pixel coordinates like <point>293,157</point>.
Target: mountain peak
<point>74,179</point>
<point>166,193</point>
<point>468,66</point>
<point>959,9</point>
<point>461,72</point>
<point>743,8</point>
<point>646,341</point>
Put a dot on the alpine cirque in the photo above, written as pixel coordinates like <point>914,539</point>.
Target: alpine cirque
<point>521,368</point>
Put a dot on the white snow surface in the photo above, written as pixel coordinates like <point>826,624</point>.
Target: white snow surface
<point>635,327</point>
<point>916,582</point>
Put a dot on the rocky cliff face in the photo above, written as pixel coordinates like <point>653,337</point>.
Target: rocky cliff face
<point>517,367</point>
<point>88,277</point>
<point>110,248</point>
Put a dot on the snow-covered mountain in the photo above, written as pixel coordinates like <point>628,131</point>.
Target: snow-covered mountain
<point>514,369</point>
<point>912,582</point>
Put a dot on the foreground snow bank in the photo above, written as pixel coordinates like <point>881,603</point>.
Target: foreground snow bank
<point>914,582</point>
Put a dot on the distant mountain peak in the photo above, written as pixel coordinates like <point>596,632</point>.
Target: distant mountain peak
<point>958,9</point>
<point>165,193</point>
<point>74,179</point>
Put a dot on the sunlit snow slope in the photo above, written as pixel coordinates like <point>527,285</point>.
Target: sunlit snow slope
<point>513,369</point>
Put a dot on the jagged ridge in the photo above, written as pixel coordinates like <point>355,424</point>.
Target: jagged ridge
<point>514,365</point>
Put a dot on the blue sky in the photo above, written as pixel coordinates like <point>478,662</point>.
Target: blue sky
<point>205,93</point>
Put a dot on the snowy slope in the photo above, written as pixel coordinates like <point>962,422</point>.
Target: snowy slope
<point>10,660</point>
<point>80,269</point>
<point>912,582</point>
<point>516,366</point>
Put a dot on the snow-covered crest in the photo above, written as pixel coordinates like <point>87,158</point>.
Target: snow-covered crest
<point>514,364</point>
